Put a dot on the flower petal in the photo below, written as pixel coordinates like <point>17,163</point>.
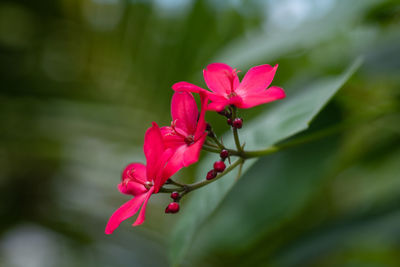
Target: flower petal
<point>136,170</point>
<point>131,188</point>
<point>221,103</point>
<point>184,112</point>
<point>256,80</point>
<point>271,94</point>
<point>140,219</point>
<point>175,163</point>
<point>125,211</point>
<point>153,148</point>
<point>159,179</point>
<point>218,106</point>
<point>201,124</point>
<point>220,78</point>
<point>188,87</point>
<point>192,153</point>
<point>171,139</point>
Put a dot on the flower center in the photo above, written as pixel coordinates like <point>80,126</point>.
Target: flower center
<point>232,94</point>
<point>148,185</point>
<point>189,140</point>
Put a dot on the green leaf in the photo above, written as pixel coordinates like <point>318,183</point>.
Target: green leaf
<point>294,114</point>
<point>270,194</point>
<point>288,117</point>
<point>275,216</point>
<point>277,42</point>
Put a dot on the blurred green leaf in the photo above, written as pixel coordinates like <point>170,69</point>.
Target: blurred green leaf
<point>277,42</point>
<point>294,113</point>
<point>269,195</point>
<point>285,119</point>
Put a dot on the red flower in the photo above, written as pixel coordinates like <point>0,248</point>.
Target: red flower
<point>226,89</point>
<point>142,181</point>
<point>186,134</point>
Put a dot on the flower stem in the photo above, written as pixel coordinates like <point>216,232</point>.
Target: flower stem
<point>191,187</point>
<point>211,149</point>
<point>170,181</point>
<point>240,171</point>
<point>186,188</point>
<point>217,142</point>
<point>301,140</point>
<point>235,132</point>
<point>208,143</point>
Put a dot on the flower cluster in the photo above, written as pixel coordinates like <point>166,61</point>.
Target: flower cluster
<point>170,148</point>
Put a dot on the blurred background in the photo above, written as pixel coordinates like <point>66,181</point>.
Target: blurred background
<point>81,81</point>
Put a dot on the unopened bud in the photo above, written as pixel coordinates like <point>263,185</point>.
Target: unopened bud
<point>172,207</point>
<point>219,166</point>
<point>237,123</point>
<point>211,175</point>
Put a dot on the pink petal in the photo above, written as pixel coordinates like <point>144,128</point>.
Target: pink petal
<point>221,104</point>
<point>125,211</point>
<point>140,219</point>
<point>188,87</point>
<point>175,163</point>
<point>131,188</point>
<point>218,106</point>
<point>159,179</point>
<point>201,124</point>
<point>137,170</point>
<point>216,98</point>
<point>171,139</point>
<point>192,153</point>
<point>184,112</point>
<point>271,94</point>
<point>220,78</point>
<point>153,148</point>
<point>256,80</point>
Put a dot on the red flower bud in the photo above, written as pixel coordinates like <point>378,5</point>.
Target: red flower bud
<point>172,207</point>
<point>229,121</point>
<point>219,166</point>
<point>174,195</point>
<point>237,123</point>
<point>211,175</point>
<point>224,154</point>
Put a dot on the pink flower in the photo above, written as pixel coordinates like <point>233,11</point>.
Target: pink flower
<point>226,89</point>
<point>186,134</point>
<point>142,181</point>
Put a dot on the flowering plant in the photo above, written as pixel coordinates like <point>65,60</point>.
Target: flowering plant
<point>170,148</point>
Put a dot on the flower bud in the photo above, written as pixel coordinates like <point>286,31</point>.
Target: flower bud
<point>237,123</point>
<point>172,207</point>
<point>224,154</point>
<point>211,175</point>
<point>174,195</point>
<point>219,166</point>
<point>229,121</point>
<point>225,113</point>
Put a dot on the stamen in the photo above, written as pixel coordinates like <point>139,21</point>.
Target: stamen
<point>148,184</point>
<point>189,140</point>
<point>232,94</point>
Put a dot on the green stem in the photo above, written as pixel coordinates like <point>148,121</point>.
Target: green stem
<point>208,143</point>
<point>170,190</point>
<point>240,171</point>
<point>301,140</point>
<point>217,142</point>
<point>170,181</point>
<point>191,187</point>
<point>235,132</point>
<point>211,149</point>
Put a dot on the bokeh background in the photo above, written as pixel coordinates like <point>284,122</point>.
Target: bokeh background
<point>81,81</point>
